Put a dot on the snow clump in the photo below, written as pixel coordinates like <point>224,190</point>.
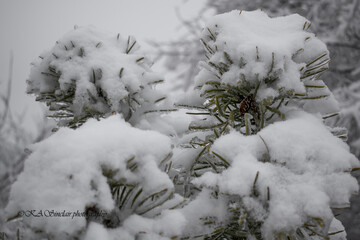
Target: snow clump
<point>72,171</point>
<point>92,73</point>
<point>278,56</point>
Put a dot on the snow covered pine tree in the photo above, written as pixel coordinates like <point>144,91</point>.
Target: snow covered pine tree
<point>261,165</point>
<point>262,150</point>
<point>105,171</point>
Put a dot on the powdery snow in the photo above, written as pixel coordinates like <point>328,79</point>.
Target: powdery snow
<point>65,171</point>
<point>107,72</point>
<point>305,167</point>
<point>302,169</point>
<point>277,52</point>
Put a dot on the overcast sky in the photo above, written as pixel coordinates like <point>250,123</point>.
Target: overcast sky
<point>28,27</point>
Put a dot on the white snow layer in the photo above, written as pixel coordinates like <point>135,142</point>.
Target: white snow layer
<point>305,167</point>
<point>64,172</point>
<point>278,52</point>
<point>106,71</point>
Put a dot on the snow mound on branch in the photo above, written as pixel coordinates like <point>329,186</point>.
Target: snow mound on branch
<point>246,48</point>
<point>304,166</point>
<point>64,172</point>
<point>97,71</point>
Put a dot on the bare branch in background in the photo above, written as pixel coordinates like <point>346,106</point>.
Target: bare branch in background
<point>6,98</point>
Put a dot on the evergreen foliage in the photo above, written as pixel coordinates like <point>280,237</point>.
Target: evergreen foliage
<point>234,178</point>
<point>76,85</point>
<point>234,105</point>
